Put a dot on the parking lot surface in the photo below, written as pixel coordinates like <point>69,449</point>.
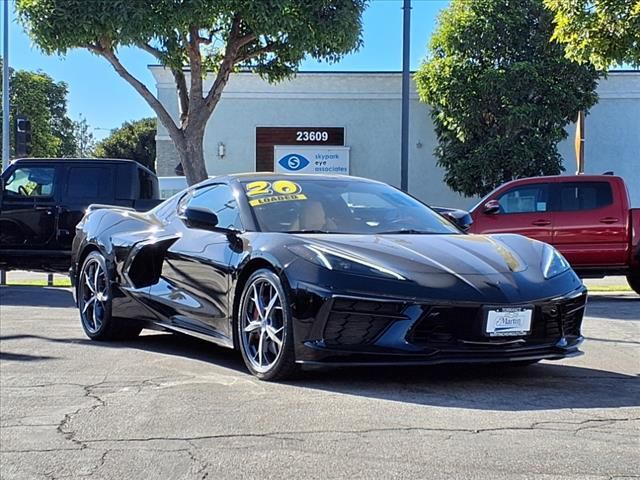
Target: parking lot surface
<point>167,406</point>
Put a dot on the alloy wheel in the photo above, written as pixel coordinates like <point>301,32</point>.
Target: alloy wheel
<point>262,324</point>
<point>94,295</point>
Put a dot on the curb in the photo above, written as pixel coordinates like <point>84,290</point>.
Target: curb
<point>625,293</point>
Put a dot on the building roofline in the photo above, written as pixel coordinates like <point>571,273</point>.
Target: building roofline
<point>369,72</point>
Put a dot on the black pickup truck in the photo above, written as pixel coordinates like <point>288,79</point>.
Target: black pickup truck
<point>43,200</point>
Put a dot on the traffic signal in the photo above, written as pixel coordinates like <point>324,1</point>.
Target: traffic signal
<point>23,136</point>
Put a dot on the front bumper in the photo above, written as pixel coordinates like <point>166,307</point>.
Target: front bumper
<point>333,329</point>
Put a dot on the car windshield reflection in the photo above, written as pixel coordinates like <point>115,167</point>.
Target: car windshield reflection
<point>340,207</point>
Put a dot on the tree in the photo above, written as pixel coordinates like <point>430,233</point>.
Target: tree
<point>501,93</point>
<point>603,32</point>
<point>85,143</point>
<point>271,37</point>
<point>44,102</point>
<point>133,140</point>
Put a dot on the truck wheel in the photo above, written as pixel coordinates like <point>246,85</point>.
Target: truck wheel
<point>634,281</point>
<point>95,301</point>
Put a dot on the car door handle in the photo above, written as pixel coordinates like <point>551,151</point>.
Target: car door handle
<point>541,223</point>
<point>609,220</point>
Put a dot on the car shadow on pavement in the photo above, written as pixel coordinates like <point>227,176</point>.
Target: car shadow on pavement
<point>544,386</point>
<point>50,297</point>
<point>23,357</point>
<point>176,344</point>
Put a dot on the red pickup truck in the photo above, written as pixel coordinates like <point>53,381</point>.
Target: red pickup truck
<point>586,217</point>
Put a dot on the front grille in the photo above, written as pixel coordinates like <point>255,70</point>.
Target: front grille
<point>368,306</point>
<point>546,322</point>
<point>359,322</point>
<point>352,322</point>
<point>442,326</point>
<point>573,311</point>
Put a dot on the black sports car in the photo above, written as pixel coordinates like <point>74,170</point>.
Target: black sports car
<point>322,270</point>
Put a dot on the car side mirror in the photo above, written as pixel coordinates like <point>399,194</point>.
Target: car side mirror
<point>201,218</point>
<point>462,219</point>
<point>492,207</point>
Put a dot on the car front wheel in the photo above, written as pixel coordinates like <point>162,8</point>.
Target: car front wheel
<point>264,327</point>
<point>95,302</point>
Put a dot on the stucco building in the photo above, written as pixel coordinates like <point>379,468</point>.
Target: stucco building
<point>354,117</point>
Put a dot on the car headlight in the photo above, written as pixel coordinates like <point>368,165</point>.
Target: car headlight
<point>553,263</point>
<point>342,261</point>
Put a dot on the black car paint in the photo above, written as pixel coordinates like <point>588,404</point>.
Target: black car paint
<point>37,232</point>
<point>176,278</point>
<point>460,218</point>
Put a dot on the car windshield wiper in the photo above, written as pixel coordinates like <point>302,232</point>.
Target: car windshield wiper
<point>309,231</point>
<point>406,231</point>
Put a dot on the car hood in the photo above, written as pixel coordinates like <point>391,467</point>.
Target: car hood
<point>410,254</point>
<point>490,269</point>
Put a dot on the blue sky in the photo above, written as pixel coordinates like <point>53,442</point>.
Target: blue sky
<point>97,93</point>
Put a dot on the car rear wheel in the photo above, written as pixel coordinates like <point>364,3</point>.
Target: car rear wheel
<point>264,327</point>
<point>95,301</point>
<point>634,281</point>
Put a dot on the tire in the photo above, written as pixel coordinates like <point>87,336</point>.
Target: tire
<point>264,327</point>
<point>95,303</point>
<point>634,281</point>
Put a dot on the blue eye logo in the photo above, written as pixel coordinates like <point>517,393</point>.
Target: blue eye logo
<point>293,162</point>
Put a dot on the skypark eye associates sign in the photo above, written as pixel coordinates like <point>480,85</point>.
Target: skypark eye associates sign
<point>311,159</point>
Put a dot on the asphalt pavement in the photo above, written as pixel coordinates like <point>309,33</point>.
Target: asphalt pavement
<point>171,407</point>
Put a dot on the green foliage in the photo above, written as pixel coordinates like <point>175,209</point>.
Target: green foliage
<point>85,143</point>
<point>271,37</point>
<point>324,29</point>
<point>501,93</point>
<point>602,32</point>
<point>133,140</point>
<point>44,101</point>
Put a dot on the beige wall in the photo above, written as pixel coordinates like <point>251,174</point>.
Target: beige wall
<point>367,105</point>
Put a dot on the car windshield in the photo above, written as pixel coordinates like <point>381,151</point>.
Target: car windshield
<point>339,206</point>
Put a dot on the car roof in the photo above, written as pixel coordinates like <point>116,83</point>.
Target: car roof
<point>65,160</point>
<point>71,160</point>
<point>560,178</point>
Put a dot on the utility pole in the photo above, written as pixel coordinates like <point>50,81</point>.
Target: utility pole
<point>5,88</point>
<point>404,148</point>
<point>5,103</point>
<point>579,143</point>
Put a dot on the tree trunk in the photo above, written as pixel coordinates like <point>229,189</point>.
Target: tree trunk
<point>191,154</point>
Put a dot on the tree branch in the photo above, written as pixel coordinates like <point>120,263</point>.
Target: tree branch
<point>254,53</point>
<point>149,49</point>
<point>195,62</point>
<point>183,94</point>
<point>234,44</point>
<point>141,88</point>
<point>178,76</point>
<point>208,40</point>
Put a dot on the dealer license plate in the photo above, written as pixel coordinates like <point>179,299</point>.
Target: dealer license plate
<point>504,322</point>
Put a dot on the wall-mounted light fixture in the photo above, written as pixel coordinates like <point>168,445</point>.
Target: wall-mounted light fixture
<point>419,144</point>
<point>221,149</point>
